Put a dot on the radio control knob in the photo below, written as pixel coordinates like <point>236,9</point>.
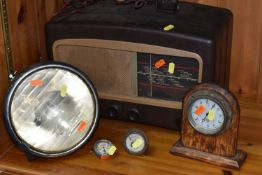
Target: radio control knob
<point>133,115</point>
<point>113,111</point>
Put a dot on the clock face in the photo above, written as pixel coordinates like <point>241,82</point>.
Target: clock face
<point>102,147</point>
<point>206,116</point>
<point>136,142</point>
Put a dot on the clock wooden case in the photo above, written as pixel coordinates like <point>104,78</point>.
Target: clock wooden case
<point>219,148</point>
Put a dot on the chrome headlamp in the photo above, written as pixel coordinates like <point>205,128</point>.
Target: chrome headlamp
<point>51,109</point>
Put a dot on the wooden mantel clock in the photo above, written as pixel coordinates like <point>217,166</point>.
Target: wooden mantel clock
<point>210,127</point>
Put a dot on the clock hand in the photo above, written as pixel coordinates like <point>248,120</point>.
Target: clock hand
<point>205,117</point>
<point>208,113</point>
<point>104,149</point>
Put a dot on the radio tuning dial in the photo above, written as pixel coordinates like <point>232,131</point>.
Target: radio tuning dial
<point>133,115</point>
<point>113,111</point>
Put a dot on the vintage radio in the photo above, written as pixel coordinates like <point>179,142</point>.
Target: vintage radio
<point>141,69</point>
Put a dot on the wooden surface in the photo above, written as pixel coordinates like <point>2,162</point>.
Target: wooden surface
<point>27,19</point>
<point>26,22</point>
<point>4,139</point>
<point>246,57</point>
<point>157,161</point>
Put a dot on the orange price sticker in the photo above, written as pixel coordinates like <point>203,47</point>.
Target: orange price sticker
<point>200,110</point>
<point>82,126</point>
<point>104,157</point>
<point>36,83</point>
<point>160,63</point>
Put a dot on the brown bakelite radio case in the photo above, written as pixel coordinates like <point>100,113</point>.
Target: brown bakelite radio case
<point>142,72</point>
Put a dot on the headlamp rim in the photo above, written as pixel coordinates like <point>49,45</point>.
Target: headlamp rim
<point>8,103</point>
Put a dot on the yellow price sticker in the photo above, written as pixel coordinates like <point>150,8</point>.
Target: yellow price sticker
<point>168,27</point>
<point>171,68</point>
<point>137,143</point>
<point>111,150</point>
<point>211,114</point>
<point>63,90</point>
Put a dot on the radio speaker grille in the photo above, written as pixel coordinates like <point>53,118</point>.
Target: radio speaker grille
<point>113,71</point>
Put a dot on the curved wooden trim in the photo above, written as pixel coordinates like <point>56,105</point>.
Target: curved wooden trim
<point>129,46</point>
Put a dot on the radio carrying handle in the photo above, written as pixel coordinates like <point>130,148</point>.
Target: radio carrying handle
<point>167,6</point>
